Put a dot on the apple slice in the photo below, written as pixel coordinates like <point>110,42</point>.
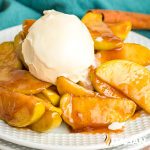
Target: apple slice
<point>64,86</point>
<point>48,121</point>
<point>103,37</point>
<point>19,110</point>
<point>130,51</point>
<point>18,40</point>
<point>94,112</point>
<point>130,78</point>
<point>20,37</point>
<point>104,88</point>
<point>21,81</point>
<point>120,29</point>
<point>48,104</point>
<point>26,25</point>
<point>8,56</point>
<point>52,96</point>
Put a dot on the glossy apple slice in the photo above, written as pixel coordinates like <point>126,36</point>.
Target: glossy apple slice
<point>107,42</point>
<point>19,110</point>
<point>48,121</point>
<point>8,56</point>
<point>103,37</point>
<point>130,78</point>
<point>18,40</point>
<point>121,29</point>
<point>48,104</point>
<point>26,25</point>
<point>83,112</point>
<point>92,20</point>
<point>130,51</point>
<point>104,88</point>
<point>64,86</point>
<point>52,96</point>
<point>21,81</point>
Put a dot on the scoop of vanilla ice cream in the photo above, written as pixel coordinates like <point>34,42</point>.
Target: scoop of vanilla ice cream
<point>58,44</point>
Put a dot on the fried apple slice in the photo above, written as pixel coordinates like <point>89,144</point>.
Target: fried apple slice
<point>83,112</point>
<point>107,42</point>
<point>130,78</point>
<point>26,25</point>
<point>48,104</point>
<point>104,88</point>
<point>120,29</point>
<point>103,37</point>
<point>130,51</point>
<point>91,19</point>
<point>48,121</point>
<point>18,39</point>
<point>52,96</point>
<point>19,110</point>
<point>64,86</point>
<point>8,56</point>
<point>18,47</point>
<point>21,81</point>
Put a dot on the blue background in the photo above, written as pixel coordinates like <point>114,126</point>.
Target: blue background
<point>13,12</point>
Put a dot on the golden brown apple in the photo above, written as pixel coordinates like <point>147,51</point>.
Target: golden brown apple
<point>103,37</point>
<point>19,110</point>
<point>21,81</point>
<point>94,112</point>
<point>104,88</point>
<point>65,85</point>
<point>52,96</point>
<point>130,51</point>
<point>121,29</point>
<point>130,78</point>
<point>26,25</point>
<point>48,121</point>
<point>8,56</point>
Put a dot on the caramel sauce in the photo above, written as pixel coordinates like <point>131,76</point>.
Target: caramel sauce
<point>21,81</point>
<point>104,129</point>
<point>90,130</point>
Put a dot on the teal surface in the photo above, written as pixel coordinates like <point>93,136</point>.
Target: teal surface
<point>13,12</point>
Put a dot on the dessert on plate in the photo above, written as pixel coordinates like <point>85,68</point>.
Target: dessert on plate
<point>60,68</point>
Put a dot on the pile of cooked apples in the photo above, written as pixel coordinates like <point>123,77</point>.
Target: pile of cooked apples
<point>119,86</point>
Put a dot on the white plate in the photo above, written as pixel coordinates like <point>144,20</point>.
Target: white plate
<point>61,138</point>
